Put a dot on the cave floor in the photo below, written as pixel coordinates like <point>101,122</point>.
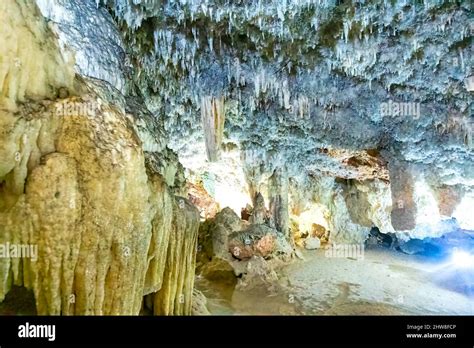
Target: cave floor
<point>385,282</point>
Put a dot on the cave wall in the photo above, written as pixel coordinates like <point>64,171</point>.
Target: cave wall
<point>90,34</point>
<point>76,183</point>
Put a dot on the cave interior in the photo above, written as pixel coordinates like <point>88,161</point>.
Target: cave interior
<point>218,157</point>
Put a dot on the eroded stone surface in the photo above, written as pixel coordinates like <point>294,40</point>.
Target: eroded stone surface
<point>76,183</point>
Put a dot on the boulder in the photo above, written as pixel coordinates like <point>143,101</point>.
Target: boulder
<point>197,195</point>
<point>257,240</point>
<point>318,231</point>
<point>213,234</point>
<point>219,270</point>
<point>225,223</point>
<point>258,273</point>
<point>228,219</point>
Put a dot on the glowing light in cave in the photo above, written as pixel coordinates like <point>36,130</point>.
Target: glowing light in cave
<point>426,204</point>
<point>229,196</point>
<point>314,215</point>
<point>464,213</point>
<point>227,182</point>
<point>462,259</point>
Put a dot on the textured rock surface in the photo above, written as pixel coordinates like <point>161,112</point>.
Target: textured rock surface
<point>31,66</point>
<point>257,240</point>
<point>227,245</point>
<point>215,262</point>
<point>304,68</point>
<point>90,36</point>
<point>102,241</point>
<point>219,269</point>
<point>201,199</point>
<point>322,88</point>
<point>199,303</point>
<point>317,113</point>
<point>214,234</point>
<point>76,183</point>
<point>176,294</point>
<point>279,203</point>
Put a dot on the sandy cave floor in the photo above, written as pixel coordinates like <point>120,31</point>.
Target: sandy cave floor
<point>385,282</point>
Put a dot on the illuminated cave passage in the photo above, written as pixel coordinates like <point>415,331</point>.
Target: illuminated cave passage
<point>204,157</point>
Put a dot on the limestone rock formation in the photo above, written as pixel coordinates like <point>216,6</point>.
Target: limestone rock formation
<point>318,121</point>
<point>90,35</point>
<point>103,242</point>
<point>324,89</point>
<point>201,199</point>
<point>215,233</point>
<point>227,244</point>
<point>256,240</point>
<point>175,296</point>
<point>279,203</point>
<point>76,184</point>
<point>214,259</point>
<point>213,119</point>
<point>259,212</point>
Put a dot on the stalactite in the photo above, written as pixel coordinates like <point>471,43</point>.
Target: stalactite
<point>175,295</point>
<point>278,193</point>
<point>403,213</point>
<point>213,119</point>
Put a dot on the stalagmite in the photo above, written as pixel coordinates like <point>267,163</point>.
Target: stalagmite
<point>259,213</point>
